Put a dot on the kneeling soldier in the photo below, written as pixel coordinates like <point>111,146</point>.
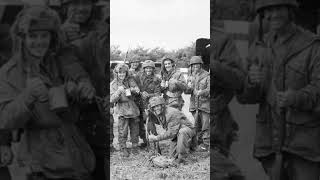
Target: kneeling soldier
<point>178,128</point>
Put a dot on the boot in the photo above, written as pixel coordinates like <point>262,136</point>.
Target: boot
<point>144,144</point>
<point>179,160</point>
<point>124,152</point>
<point>134,149</point>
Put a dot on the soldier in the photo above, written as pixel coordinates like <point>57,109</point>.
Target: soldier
<point>150,87</point>
<point>199,88</point>
<point>172,83</point>
<point>227,76</point>
<point>78,19</point>
<point>135,66</point>
<point>93,55</point>
<point>178,128</point>
<point>283,78</point>
<point>50,145</point>
<point>121,90</point>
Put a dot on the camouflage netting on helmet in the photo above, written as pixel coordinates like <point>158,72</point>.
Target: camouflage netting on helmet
<point>35,18</point>
<point>148,63</point>
<point>121,66</point>
<point>157,100</point>
<point>261,4</point>
<point>195,60</point>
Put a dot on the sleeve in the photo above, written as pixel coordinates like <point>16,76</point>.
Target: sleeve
<point>307,98</point>
<point>14,113</point>
<point>114,95</point>
<point>181,84</point>
<point>206,92</point>
<point>173,129</point>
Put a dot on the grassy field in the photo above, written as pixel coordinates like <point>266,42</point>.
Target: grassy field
<point>197,164</point>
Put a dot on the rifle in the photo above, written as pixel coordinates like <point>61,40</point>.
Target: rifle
<point>157,149</point>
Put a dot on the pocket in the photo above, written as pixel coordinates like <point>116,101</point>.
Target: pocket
<point>296,75</point>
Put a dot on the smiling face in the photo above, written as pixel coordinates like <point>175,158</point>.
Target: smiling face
<point>277,17</point>
<point>158,109</point>
<point>79,11</point>
<point>122,75</point>
<point>195,68</point>
<point>148,70</point>
<point>37,43</point>
<point>168,65</point>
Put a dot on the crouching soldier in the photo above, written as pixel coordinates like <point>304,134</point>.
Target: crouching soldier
<point>199,88</point>
<point>178,128</point>
<point>120,93</point>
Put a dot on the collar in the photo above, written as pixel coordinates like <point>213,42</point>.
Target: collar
<point>289,32</point>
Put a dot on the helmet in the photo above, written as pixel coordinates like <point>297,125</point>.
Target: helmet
<point>168,58</point>
<point>133,59</point>
<point>261,4</point>
<point>195,60</point>
<point>157,100</point>
<point>148,63</point>
<point>120,66</point>
<point>36,18</point>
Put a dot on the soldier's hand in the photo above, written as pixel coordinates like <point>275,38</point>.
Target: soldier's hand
<point>256,75</point>
<point>71,89</point>
<point>135,89</point>
<point>153,138</point>
<point>121,89</point>
<point>6,155</point>
<point>86,90</point>
<point>145,94</point>
<point>71,30</point>
<point>36,88</point>
<point>286,99</point>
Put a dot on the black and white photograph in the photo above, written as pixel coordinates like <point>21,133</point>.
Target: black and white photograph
<point>160,89</point>
<point>265,56</point>
<point>53,89</point>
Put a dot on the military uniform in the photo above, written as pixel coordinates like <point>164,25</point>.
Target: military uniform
<point>227,77</point>
<point>289,63</point>
<point>200,103</point>
<point>178,128</point>
<point>173,93</point>
<point>128,111</point>
<point>93,55</point>
<point>50,144</point>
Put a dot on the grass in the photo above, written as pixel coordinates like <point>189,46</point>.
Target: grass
<point>136,167</point>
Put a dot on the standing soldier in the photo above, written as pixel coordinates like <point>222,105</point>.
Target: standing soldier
<point>172,83</point>
<point>178,128</point>
<point>93,54</point>
<point>199,88</point>
<point>121,90</point>
<point>135,66</point>
<point>150,87</point>
<point>50,146</point>
<point>283,78</point>
<point>78,18</point>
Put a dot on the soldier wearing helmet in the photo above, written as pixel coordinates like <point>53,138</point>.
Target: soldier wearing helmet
<point>283,80</point>
<point>149,85</point>
<point>172,83</point>
<point>227,76</point>
<point>135,65</point>
<point>199,88</point>
<point>122,88</point>
<point>50,146</point>
<point>79,19</point>
<point>178,128</point>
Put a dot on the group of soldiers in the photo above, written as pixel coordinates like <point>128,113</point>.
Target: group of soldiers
<point>143,99</point>
<point>281,75</point>
<point>52,93</point>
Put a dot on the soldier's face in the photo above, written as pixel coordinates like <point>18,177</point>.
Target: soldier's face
<point>121,75</point>
<point>134,65</point>
<point>277,17</point>
<point>37,43</point>
<point>168,65</point>
<point>148,70</point>
<point>195,67</point>
<point>79,12</point>
<point>157,109</point>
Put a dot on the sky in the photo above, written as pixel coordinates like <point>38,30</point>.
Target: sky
<point>169,24</point>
